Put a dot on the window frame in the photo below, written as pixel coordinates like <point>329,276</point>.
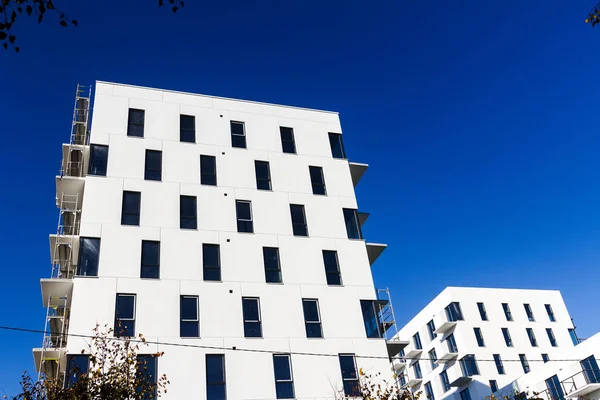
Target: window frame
<point>468,365</point>
<point>370,316</point>
<point>188,218</point>
<point>499,364</point>
<point>482,311</point>
<point>267,269</point>
<point>550,312</point>
<point>318,187</point>
<point>507,312</point>
<point>338,138</point>
<point>136,217</point>
<point>308,323</point>
<point>208,178</point>
<point>141,368</point>
<point>93,270</point>
<point>531,336</point>
<point>451,343</point>
<point>429,391</point>
<point>529,312</point>
<point>259,186</point>
<point>454,312</point>
<point>573,336</point>
<point>416,339</point>
<point>431,329</point>
<point>244,224</point>
<point>551,337</point>
<point>150,172</point>
<point>131,124</point>
<point>73,372</point>
<point>291,142</point>
<point>351,378</point>
<point>479,337</point>
<point>207,267</point>
<point>257,322</point>
<point>337,273</point>
<point>554,387</point>
<point>433,358</point>
<point>147,265</point>
<point>417,371</point>
<point>301,225</point>
<point>591,372</point>
<point>545,357</point>
<point>284,381</point>
<point>524,363</point>
<point>242,138</point>
<point>121,319</point>
<point>354,217</point>
<point>194,322</point>
<point>493,385</point>
<point>98,161</point>
<point>183,131</point>
<point>465,394</point>
<point>445,381</point>
<point>507,337</point>
<point>217,383</point>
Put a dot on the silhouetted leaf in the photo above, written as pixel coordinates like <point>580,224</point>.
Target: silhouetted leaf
<point>63,23</point>
<point>2,26</point>
<point>160,3</point>
<point>74,22</point>
<point>17,49</point>
<point>181,2</point>
<point>11,38</point>
<point>29,10</point>
<point>3,35</point>
<point>5,46</point>
<point>175,8</point>
<point>40,18</point>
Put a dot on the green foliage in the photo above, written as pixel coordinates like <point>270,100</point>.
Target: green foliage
<point>594,15</point>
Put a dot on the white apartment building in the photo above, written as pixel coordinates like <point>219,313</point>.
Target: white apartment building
<point>469,342</point>
<point>226,227</point>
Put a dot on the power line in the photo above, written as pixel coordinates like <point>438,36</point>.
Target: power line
<point>235,348</point>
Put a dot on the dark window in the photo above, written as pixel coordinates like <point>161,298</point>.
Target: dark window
<point>529,312</point>
<point>551,337</point>
<point>574,337</point>
<point>150,259</point>
<point>238,134</point>
<point>130,213</point>
<point>77,365</point>
<point>445,381</point>
<point>263,175</point>
<point>417,341</point>
<point>402,378</point>
<point>370,318</point>
<point>337,146</point>
<point>215,377</point>
<point>208,170</point>
<point>147,373</point>
<point>482,311</point>
<point>429,391</point>
<point>499,364</point>
<point>284,383</point>
<point>125,315</point>
<point>545,357</point>
<point>187,128</point>
<point>287,140</point>
<point>187,212</point>
<point>453,312</point>
<point>312,319</point>
<point>493,386</point>
<point>417,370</point>
<point>211,262</point>
<point>524,363</point>
<point>332,268</point>
<point>89,252</point>
<point>431,330</point>
<point>349,375</point>
<point>98,160</point>
<point>468,365</point>
<point>555,388</point>
<point>465,395</point>
<point>507,312</point>
<point>451,342</point>
<point>317,180</point>
<point>243,211</point>
<point>479,337</point>
<point>507,338</point>
<point>531,337</point>
<point>433,358</point>
<point>550,312</point>
<point>272,264</point>
<point>352,224</point>
<point>153,170</point>
<point>251,310</point>
<point>298,220</point>
<point>590,369</point>
<point>190,323</point>
<point>135,123</point>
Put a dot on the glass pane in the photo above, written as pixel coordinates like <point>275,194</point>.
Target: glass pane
<point>237,128</point>
<point>281,365</point>
<point>188,206</point>
<point>351,388</point>
<point>337,146</point>
<point>261,169</point>
<point>313,330</point>
<point>238,141</point>
<point>271,258</point>
<point>212,274</point>
<point>98,160</point>
<point>297,213</point>
<point>150,252</point>
<point>125,306</point>
<point>215,392</point>
<point>131,202</point>
<point>351,220</point>
<point>348,367</point>
<point>250,308</point>
<point>330,260</point>
<point>187,122</point>
<point>189,307</point>
<point>311,312</point>
<point>243,210</point>
<point>210,255</point>
<point>273,276</point>
<point>284,390</point>
<point>76,365</point>
<point>136,116</point>
<point>334,278</point>
<point>300,229</point>
<point>150,272</point>
<point>208,164</point>
<point>287,134</point>
<point>370,319</point>
<point>89,251</point>
<point>215,371</point>
<point>189,329</point>
<point>245,226</point>
<point>252,329</point>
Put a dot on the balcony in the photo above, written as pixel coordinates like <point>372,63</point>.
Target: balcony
<point>414,381</point>
<point>54,291</point>
<point>69,192</point>
<point>411,352</point>
<point>49,361</point>
<point>446,356</point>
<point>398,364</point>
<point>362,218</point>
<point>443,323</point>
<point>356,171</point>
<point>64,250</point>
<point>395,346</point>
<point>74,160</point>
<point>374,250</point>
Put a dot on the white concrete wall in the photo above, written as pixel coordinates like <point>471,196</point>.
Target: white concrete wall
<point>249,375</point>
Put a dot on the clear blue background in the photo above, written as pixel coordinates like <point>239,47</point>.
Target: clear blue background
<point>479,121</point>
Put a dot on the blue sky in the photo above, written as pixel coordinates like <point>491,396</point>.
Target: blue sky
<point>479,121</point>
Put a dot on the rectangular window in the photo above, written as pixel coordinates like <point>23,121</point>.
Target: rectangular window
<point>189,325</point>
<point>465,395</point>
<point>288,144</point>
<point>130,212</point>
<point>402,378</point>
<point>150,259</point>
<point>337,145</point>
<point>453,312</point>
<point>125,315</point>
<point>529,312</point>
<point>188,212</point>
<point>417,370</point>
<point>211,262</point>
<point>545,357</point>
<point>238,134</point>
<point>187,128</point>
<point>370,318</point>
<point>77,365</point>
<point>482,311</point>
<point>263,175</point>
<point>431,330</point>
<point>574,337</point>
<point>251,311</point>
<point>352,224</point>
<point>507,312</point>
<point>451,342</point>
<point>499,364</point>
<point>445,381</point>
<point>243,211</point>
<point>479,337</point>
<point>135,122</point>
<point>332,268</point>
<point>555,388</point>
<point>429,391</point>
<point>317,180</point>
<point>349,375</point>
<point>147,373</point>
<point>524,363</point>
<point>98,160</point>
<point>272,265</point>
<point>298,220</point>
<point>507,338</point>
<point>590,369</point>
<point>153,165</point>
<point>89,252</point>
<point>468,365</point>
<point>284,382</point>
<point>493,386</point>
<point>551,337</point>
<point>531,337</point>
<point>433,358</point>
<point>312,318</point>
<point>550,312</point>
<point>417,341</point>
<point>208,170</point>
<point>215,377</point>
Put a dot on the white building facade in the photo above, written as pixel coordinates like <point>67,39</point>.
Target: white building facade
<point>226,227</point>
<point>469,342</point>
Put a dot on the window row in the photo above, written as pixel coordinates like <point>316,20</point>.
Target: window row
<point>454,313</point>
<point>187,133</point>
<point>216,382</point>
